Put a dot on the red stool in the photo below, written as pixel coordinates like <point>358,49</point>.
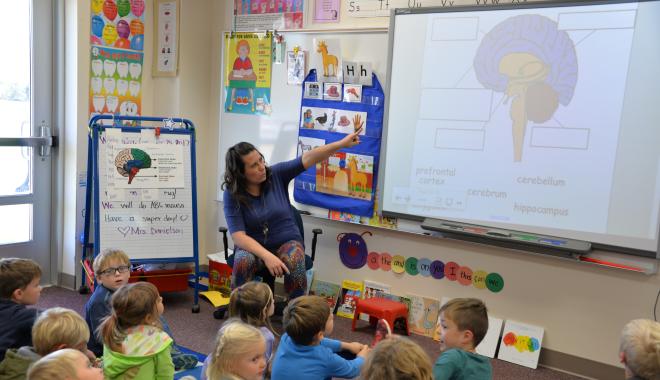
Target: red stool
<point>381,308</point>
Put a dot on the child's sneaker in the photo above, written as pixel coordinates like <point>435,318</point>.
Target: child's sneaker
<point>383,331</point>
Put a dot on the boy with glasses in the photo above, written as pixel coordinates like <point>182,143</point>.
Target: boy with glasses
<point>112,271</point>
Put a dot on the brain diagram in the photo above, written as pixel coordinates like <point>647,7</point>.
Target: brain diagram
<point>534,64</point>
<point>129,162</point>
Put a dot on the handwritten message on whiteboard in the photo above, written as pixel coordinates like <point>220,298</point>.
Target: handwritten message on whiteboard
<point>146,222</point>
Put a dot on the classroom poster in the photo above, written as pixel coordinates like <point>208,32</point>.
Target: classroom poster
<point>247,73</point>
<point>326,11</point>
<point>115,85</point>
<point>118,23</point>
<point>253,15</point>
<point>117,42</point>
<point>167,38</point>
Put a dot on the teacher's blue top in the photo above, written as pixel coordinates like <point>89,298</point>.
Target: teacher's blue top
<point>272,209</point>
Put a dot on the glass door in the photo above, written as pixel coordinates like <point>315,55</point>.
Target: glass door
<point>26,98</point>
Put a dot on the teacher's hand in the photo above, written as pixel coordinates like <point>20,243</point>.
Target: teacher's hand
<point>275,266</point>
<point>351,139</point>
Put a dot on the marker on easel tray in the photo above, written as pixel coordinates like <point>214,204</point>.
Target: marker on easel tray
<point>475,230</point>
<point>498,234</point>
<point>526,238</point>
<point>552,241</point>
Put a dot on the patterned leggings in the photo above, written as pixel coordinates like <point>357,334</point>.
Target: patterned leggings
<point>292,254</point>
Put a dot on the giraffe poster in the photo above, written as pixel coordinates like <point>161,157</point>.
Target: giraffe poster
<point>326,59</point>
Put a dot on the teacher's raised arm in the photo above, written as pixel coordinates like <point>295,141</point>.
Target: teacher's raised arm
<point>258,212</point>
<point>318,154</point>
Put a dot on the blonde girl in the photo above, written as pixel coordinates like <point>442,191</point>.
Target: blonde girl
<point>64,364</point>
<point>253,303</point>
<point>397,358</point>
<point>135,345</point>
<point>239,353</point>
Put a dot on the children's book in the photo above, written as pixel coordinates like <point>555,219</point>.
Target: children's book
<point>374,289</point>
<point>351,291</point>
<point>423,315</point>
<point>488,345</point>
<point>521,344</point>
<point>326,290</point>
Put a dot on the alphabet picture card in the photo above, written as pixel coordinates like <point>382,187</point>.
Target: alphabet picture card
<point>353,93</point>
<point>313,90</point>
<point>521,344</point>
<point>326,59</point>
<point>357,73</point>
<point>331,91</point>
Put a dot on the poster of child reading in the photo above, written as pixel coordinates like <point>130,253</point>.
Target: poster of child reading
<point>247,73</point>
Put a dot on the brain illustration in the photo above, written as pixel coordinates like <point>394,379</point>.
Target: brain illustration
<point>129,162</point>
<point>534,64</point>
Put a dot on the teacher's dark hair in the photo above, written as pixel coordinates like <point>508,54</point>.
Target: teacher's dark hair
<point>234,180</point>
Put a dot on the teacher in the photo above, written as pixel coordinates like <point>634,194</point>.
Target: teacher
<point>258,213</point>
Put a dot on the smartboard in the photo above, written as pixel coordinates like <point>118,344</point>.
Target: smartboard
<point>535,117</point>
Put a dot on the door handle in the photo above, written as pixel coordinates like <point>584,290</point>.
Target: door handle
<point>44,142</point>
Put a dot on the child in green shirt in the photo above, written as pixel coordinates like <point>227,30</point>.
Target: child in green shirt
<point>463,325</point>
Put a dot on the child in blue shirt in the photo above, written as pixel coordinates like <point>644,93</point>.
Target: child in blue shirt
<point>112,270</point>
<point>304,350</point>
<point>19,287</point>
<point>463,325</point>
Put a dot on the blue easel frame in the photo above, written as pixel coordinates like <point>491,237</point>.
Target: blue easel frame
<point>95,127</point>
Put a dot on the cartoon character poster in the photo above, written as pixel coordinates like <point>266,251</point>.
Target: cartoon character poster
<point>346,174</point>
<point>115,85</point>
<point>247,73</point>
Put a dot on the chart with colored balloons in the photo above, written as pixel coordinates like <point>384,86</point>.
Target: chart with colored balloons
<point>117,44</point>
<point>118,23</point>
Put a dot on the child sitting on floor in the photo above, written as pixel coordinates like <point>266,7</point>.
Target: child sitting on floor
<point>112,271</point>
<point>463,324</point>
<point>65,364</point>
<point>397,358</point>
<point>640,349</point>
<point>19,286</point>
<point>55,329</point>
<point>135,345</point>
<point>304,350</point>
<point>253,303</point>
<point>239,353</point>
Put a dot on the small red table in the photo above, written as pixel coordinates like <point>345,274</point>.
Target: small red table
<point>381,308</point>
